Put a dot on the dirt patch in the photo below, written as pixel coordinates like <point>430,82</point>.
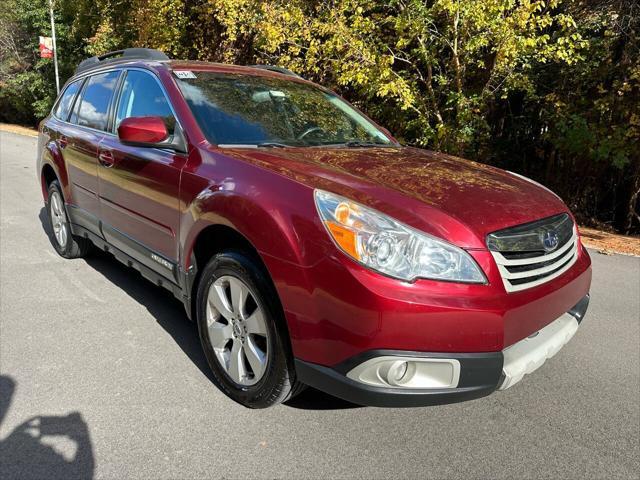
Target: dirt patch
<point>20,130</point>
<point>608,243</point>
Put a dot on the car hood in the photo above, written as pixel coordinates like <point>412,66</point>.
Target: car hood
<point>420,187</point>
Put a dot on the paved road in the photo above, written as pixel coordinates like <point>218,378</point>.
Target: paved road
<point>101,374</point>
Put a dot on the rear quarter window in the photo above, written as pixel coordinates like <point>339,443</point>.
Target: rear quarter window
<point>93,111</point>
<point>66,100</point>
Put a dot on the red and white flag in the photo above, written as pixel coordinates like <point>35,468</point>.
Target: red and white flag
<point>46,47</point>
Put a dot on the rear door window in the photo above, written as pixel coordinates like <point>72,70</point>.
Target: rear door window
<point>64,105</point>
<point>142,97</point>
<point>93,111</point>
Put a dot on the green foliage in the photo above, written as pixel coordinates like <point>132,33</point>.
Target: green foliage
<point>550,88</point>
<point>24,86</point>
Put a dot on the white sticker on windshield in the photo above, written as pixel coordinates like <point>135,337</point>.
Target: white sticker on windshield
<point>184,74</point>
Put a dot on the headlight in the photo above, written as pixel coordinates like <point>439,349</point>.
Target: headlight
<point>381,243</point>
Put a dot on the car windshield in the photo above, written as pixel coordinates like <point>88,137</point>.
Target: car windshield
<point>251,110</point>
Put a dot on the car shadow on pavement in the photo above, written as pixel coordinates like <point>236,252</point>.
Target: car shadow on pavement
<point>44,446</point>
<point>161,304</point>
<point>312,399</point>
<point>170,315</point>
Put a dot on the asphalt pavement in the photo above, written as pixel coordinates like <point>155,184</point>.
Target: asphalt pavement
<point>102,375</point>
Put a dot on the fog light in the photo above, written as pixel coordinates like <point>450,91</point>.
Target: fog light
<point>408,372</point>
<point>396,372</point>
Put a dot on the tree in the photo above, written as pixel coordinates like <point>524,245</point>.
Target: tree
<point>548,88</point>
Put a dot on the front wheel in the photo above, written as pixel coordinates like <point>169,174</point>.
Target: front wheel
<point>242,333</point>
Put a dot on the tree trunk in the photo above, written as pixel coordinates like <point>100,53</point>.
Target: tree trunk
<point>632,206</point>
<point>454,49</point>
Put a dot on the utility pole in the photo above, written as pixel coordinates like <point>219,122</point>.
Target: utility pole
<point>55,48</point>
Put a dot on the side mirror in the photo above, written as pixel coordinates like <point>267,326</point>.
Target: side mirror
<point>150,132</point>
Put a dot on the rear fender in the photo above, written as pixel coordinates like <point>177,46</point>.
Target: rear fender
<point>52,156</point>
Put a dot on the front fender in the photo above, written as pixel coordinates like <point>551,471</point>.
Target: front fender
<point>278,223</point>
<point>269,222</point>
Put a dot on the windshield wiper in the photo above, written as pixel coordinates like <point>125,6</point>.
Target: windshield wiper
<point>349,144</point>
<point>273,145</point>
<point>357,144</point>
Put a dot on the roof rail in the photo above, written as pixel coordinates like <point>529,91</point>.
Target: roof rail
<point>121,55</point>
<point>275,68</point>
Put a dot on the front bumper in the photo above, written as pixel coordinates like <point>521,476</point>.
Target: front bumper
<point>476,374</point>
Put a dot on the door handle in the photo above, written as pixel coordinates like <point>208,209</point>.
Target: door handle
<point>63,141</point>
<point>105,158</point>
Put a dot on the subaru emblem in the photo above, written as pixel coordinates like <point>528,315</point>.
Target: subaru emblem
<point>550,240</point>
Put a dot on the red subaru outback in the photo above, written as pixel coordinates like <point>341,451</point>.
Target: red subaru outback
<point>310,247</point>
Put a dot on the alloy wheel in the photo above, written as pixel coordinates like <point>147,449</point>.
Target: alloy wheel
<point>237,330</point>
<point>58,219</point>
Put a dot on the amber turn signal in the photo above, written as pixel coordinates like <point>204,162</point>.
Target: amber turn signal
<point>344,237</point>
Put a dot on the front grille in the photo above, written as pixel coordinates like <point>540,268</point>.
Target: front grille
<point>534,253</point>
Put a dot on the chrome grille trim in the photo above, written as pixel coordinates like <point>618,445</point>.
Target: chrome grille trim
<point>557,262</point>
<point>539,259</point>
<point>534,273</point>
<point>526,240</point>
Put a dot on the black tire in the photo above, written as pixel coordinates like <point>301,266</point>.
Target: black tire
<point>278,382</point>
<point>73,246</point>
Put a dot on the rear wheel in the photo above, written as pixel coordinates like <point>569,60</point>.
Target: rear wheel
<point>242,333</point>
<point>66,244</point>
